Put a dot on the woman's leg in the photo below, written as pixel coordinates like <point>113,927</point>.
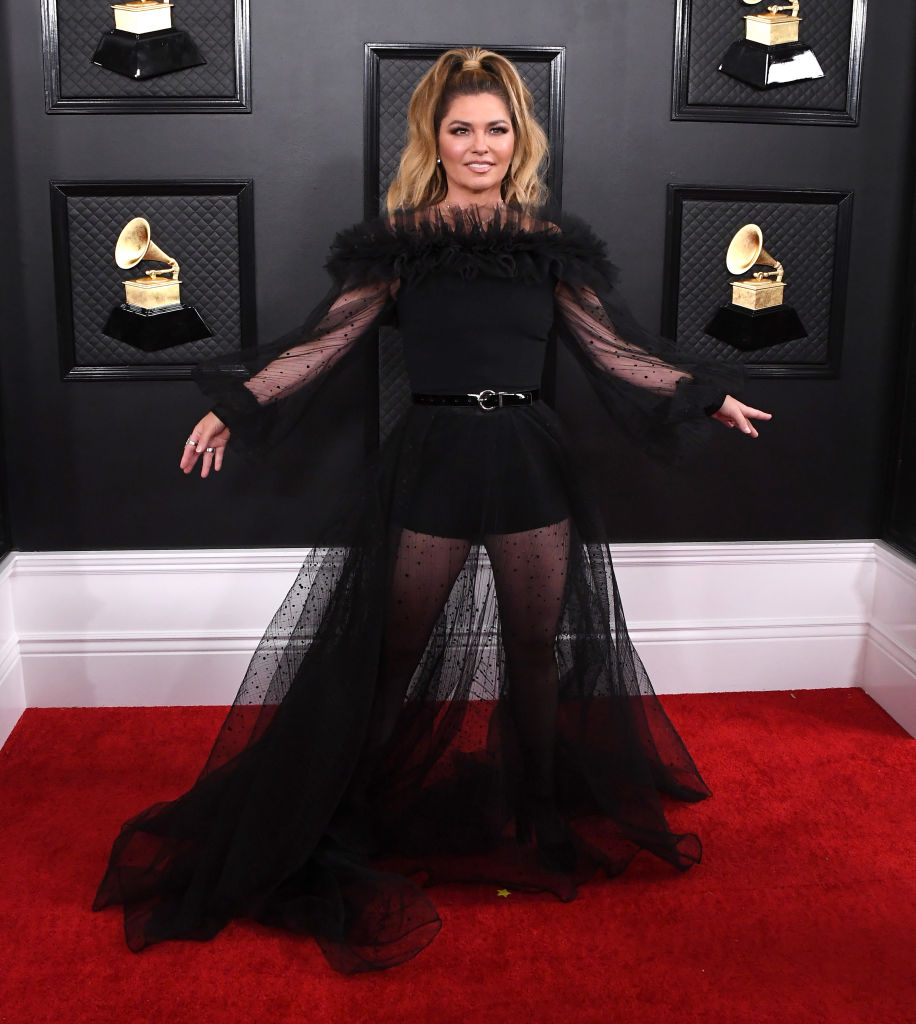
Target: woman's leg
<point>530,570</point>
<point>425,569</point>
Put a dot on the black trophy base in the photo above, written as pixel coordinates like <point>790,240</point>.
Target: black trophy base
<point>147,55</point>
<point>766,67</point>
<point>750,329</point>
<point>152,330</point>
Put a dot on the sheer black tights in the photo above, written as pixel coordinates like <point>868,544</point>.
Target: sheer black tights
<point>529,570</point>
<point>425,569</point>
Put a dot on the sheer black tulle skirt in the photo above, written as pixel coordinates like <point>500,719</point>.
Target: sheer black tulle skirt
<point>451,697</point>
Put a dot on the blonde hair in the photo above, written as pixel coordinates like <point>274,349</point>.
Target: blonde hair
<point>420,180</point>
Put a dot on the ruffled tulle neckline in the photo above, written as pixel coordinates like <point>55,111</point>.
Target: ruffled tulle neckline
<point>509,242</point>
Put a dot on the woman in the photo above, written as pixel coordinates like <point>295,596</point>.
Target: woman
<point>452,695</point>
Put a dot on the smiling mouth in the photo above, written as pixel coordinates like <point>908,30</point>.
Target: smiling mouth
<point>479,165</point>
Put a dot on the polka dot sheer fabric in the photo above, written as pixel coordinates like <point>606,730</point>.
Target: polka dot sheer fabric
<point>451,695</point>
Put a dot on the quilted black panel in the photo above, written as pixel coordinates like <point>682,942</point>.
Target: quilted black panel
<point>826,28</point>
<point>398,77</point>
<point>801,235</point>
<point>200,231</point>
<point>210,23</point>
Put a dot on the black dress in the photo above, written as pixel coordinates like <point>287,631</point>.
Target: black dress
<point>460,668</point>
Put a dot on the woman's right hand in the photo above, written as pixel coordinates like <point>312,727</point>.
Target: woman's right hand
<point>206,441</point>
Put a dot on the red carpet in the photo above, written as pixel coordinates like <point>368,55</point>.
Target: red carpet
<point>803,910</point>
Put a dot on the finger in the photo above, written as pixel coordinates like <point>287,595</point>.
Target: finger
<point>218,458</point>
<point>197,440</point>
<point>189,454</point>
<point>746,426</point>
<point>207,461</point>
<point>757,414</point>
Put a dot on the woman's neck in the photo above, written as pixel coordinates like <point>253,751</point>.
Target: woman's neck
<point>459,199</point>
<point>482,209</point>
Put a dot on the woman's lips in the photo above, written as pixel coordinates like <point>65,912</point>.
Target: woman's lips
<point>479,166</point>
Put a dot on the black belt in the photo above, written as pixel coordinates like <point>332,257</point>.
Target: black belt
<point>486,400</point>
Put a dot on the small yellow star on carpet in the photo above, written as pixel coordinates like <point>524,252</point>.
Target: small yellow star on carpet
<point>502,892</point>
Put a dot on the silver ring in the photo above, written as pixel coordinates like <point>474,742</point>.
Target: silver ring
<point>209,451</point>
<point>190,443</point>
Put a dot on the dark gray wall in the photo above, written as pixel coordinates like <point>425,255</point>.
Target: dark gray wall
<point>10,301</point>
<point>901,517</point>
<point>94,464</point>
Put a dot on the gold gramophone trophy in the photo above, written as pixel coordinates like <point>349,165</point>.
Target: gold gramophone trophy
<point>757,316</point>
<point>152,316</point>
<point>770,53</point>
<point>144,43</point>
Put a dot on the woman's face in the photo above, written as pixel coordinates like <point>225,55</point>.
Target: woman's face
<point>476,143</point>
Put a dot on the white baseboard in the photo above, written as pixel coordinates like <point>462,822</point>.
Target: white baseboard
<point>748,616</point>
<point>12,689</point>
<point>177,627</point>
<point>889,668</point>
<point>144,627</point>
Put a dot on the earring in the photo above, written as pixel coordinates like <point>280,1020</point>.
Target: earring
<point>438,159</point>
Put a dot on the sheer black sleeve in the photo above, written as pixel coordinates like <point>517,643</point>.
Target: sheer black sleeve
<point>264,395</point>
<point>660,397</point>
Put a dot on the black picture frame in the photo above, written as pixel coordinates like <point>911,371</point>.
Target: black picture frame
<point>213,231</point>
<point>700,92</point>
<point>814,242</point>
<point>223,85</point>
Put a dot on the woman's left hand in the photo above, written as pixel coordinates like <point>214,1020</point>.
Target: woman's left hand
<point>736,414</point>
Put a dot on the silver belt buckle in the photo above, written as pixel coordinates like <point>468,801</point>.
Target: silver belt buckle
<point>485,397</point>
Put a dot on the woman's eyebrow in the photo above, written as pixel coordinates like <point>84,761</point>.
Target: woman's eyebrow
<point>499,120</point>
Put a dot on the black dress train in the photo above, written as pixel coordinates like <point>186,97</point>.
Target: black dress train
<point>452,694</point>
